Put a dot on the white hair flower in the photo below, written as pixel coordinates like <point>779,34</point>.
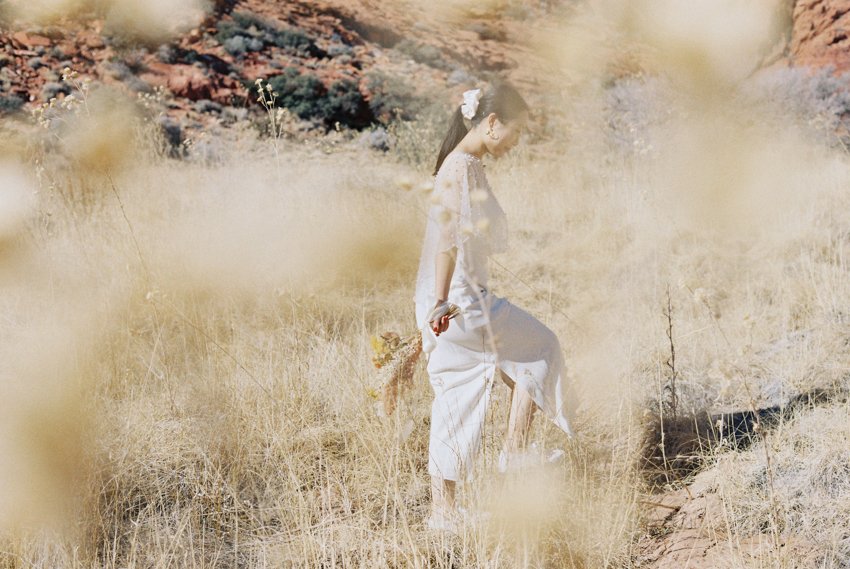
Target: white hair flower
<point>470,102</point>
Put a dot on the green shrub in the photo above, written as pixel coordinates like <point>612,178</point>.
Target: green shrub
<point>345,104</point>
<point>488,32</point>
<point>247,31</point>
<point>306,96</point>
<point>422,53</point>
<point>10,104</point>
<point>293,39</point>
<point>416,142</point>
<point>246,19</point>
<point>302,93</point>
<point>392,97</point>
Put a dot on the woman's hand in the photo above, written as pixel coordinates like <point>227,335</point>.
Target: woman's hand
<point>442,312</point>
<point>441,325</point>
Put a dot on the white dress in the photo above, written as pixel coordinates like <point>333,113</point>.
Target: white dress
<point>490,334</point>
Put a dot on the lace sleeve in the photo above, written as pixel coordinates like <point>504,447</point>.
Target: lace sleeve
<point>453,211</point>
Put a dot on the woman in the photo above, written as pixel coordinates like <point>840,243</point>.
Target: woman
<point>465,225</point>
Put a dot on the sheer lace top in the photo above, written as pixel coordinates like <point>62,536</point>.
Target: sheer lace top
<point>462,213</point>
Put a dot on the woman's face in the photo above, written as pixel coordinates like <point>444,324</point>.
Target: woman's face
<point>504,135</point>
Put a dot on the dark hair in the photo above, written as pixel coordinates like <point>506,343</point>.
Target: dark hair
<point>500,98</point>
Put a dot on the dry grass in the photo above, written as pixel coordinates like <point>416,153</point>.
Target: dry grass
<point>224,381</point>
<point>186,367</point>
<point>217,346</point>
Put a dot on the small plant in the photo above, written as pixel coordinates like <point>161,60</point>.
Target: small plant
<point>396,357</point>
<point>414,141</point>
<point>672,397</point>
<point>267,96</point>
<point>166,134</point>
<point>50,111</point>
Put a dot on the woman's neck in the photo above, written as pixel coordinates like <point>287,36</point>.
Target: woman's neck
<point>475,148</point>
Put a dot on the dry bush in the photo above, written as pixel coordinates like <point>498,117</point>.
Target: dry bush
<point>807,497</point>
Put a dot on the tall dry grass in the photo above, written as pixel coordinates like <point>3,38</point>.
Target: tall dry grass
<point>200,357</point>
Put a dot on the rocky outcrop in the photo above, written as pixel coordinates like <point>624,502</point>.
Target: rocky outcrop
<point>334,44</point>
<point>820,34</point>
<point>687,528</point>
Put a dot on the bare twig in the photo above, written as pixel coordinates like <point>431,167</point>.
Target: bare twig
<point>672,400</point>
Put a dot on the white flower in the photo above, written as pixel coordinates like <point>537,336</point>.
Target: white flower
<point>470,102</point>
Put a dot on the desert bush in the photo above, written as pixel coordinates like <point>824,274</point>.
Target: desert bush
<point>299,92</point>
<point>246,31</point>
<point>126,74</point>
<point>208,106</point>
<point>422,53</point>
<point>392,97</point>
<point>171,135</point>
<point>36,63</point>
<point>337,49</point>
<point>803,491</point>
<point>416,142</point>
<point>305,95</point>
<point>54,88</point>
<point>633,107</point>
<point>345,104</point>
<point>818,99</point>
<point>10,103</point>
<point>487,31</point>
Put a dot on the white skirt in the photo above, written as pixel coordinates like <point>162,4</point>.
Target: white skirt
<point>462,368</point>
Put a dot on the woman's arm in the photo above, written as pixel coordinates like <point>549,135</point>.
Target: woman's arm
<point>445,266</point>
<point>449,193</point>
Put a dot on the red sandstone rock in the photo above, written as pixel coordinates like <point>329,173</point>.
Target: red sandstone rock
<point>30,40</point>
<point>369,27</point>
<point>189,82</point>
<point>821,33</point>
<point>687,528</point>
<point>90,39</point>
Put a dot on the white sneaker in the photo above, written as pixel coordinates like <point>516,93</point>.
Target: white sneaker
<point>451,523</point>
<point>533,456</point>
<point>473,517</point>
<point>443,523</point>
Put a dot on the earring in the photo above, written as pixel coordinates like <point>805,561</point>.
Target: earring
<point>490,134</point>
